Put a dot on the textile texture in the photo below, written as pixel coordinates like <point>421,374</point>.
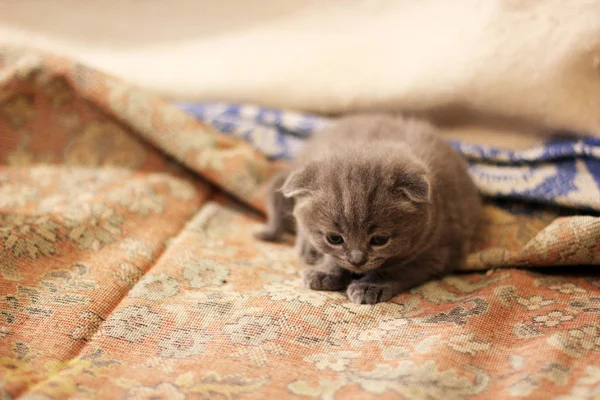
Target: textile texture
<point>128,268</point>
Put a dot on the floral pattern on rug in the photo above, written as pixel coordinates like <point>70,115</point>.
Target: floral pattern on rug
<point>128,269</point>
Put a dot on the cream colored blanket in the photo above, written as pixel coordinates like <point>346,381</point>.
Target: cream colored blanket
<point>534,61</point>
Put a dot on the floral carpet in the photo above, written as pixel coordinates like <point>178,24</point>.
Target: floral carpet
<point>128,269</point>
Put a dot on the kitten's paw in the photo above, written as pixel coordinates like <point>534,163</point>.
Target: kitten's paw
<point>369,293</point>
<point>321,280</point>
<point>267,236</point>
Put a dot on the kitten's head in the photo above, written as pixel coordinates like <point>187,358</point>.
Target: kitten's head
<point>362,208</point>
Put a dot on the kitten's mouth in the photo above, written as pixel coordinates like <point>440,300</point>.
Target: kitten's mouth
<point>352,268</point>
<point>368,266</point>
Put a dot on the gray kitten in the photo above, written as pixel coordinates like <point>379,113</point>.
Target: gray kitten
<point>381,204</point>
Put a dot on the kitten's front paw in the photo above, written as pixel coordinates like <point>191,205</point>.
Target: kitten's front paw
<point>321,280</point>
<point>369,293</point>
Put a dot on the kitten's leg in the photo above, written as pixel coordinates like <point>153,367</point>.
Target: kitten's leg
<point>384,283</point>
<point>327,276</point>
<point>305,250</point>
<point>276,210</point>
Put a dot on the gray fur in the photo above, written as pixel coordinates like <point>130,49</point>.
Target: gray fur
<point>376,175</point>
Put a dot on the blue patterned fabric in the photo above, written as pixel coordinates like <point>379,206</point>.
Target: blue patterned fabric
<point>564,171</point>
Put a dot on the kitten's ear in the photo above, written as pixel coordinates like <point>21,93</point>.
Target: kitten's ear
<point>300,182</point>
<point>416,187</point>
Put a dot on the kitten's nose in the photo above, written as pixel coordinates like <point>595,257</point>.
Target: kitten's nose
<point>357,257</point>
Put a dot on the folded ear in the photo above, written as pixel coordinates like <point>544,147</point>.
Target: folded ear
<point>416,187</point>
<point>411,179</point>
<point>300,182</point>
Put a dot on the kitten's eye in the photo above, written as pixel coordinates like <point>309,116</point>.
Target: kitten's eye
<point>379,240</point>
<point>334,239</point>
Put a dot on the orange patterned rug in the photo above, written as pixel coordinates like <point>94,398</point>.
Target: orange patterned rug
<point>128,269</point>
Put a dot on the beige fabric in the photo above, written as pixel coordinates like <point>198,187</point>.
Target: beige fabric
<point>537,61</point>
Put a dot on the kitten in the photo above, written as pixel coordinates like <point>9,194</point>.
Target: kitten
<point>381,204</point>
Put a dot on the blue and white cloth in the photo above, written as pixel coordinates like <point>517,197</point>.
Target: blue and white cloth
<point>563,172</point>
